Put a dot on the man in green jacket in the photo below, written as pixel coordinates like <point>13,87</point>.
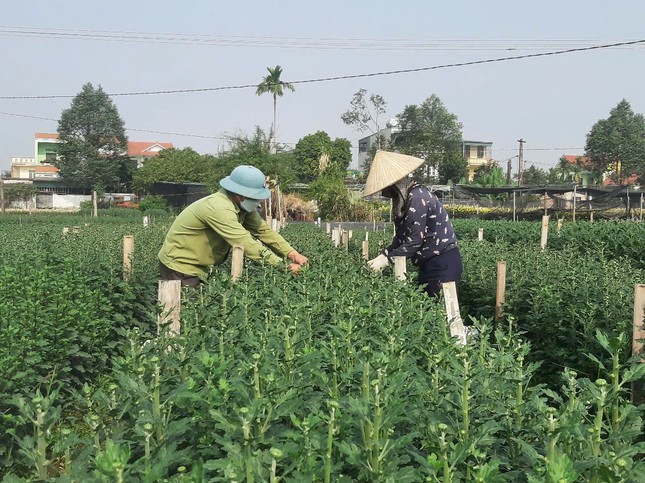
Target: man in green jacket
<point>204,232</point>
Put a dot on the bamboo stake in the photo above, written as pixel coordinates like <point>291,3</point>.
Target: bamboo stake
<point>335,236</point>
<point>2,208</point>
<point>452,311</point>
<point>128,255</point>
<point>95,209</point>
<point>345,240</point>
<point>170,300</point>
<point>366,246</point>
<point>638,387</point>
<point>500,297</point>
<point>400,268</point>
<point>545,231</point>
<point>237,262</point>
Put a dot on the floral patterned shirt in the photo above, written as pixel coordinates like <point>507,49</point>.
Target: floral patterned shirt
<point>424,230</point>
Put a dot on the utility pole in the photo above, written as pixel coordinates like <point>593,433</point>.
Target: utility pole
<point>1,194</point>
<point>508,172</point>
<point>520,173</point>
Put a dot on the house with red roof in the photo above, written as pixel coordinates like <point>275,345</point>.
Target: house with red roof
<point>585,163</point>
<point>46,151</point>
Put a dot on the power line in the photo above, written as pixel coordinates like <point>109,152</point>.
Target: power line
<point>540,149</point>
<point>203,136</point>
<point>166,133</point>
<point>322,43</point>
<point>353,76</point>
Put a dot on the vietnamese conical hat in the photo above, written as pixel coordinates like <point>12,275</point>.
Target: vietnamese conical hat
<point>388,168</point>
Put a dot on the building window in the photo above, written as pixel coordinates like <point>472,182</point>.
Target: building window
<point>49,157</point>
<point>466,150</point>
<point>362,147</point>
<point>480,151</point>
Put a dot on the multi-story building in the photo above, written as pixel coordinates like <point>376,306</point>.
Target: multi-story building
<point>41,167</point>
<point>478,154</point>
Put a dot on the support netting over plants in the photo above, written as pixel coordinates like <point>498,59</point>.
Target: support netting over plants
<point>528,202</point>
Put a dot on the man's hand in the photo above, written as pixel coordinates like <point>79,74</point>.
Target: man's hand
<point>379,263</point>
<point>297,258</point>
<point>295,268</point>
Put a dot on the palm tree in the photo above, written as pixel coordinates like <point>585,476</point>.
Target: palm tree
<point>273,85</point>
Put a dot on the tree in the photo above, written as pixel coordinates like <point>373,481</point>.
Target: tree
<point>94,146</point>
<point>566,171</point>
<point>430,132</point>
<point>452,167</point>
<point>491,175</point>
<point>331,195</point>
<point>363,115</point>
<point>273,160</point>
<point>272,84</point>
<point>534,176</point>
<point>618,144</point>
<point>21,192</point>
<point>176,166</point>
<point>317,153</point>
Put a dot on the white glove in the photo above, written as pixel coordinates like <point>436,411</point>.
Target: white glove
<point>379,263</point>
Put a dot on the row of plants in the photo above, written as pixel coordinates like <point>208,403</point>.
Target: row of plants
<point>334,375</point>
<point>558,297</point>
<point>613,240</point>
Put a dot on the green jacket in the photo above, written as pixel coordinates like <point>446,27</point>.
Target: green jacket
<point>203,233</point>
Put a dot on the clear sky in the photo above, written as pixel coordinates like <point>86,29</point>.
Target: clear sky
<point>52,48</point>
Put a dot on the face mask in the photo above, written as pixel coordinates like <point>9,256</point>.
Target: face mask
<point>389,192</point>
<point>250,205</point>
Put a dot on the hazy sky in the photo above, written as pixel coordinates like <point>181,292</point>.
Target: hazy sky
<point>52,48</point>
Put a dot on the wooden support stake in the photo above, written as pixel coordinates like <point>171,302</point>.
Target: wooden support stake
<point>545,231</point>
<point>351,233</point>
<point>237,262</point>
<point>170,300</point>
<point>638,387</point>
<point>400,268</point>
<point>328,228</point>
<point>452,311</point>
<point>2,208</point>
<point>345,240</point>
<point>128,256</point>
<point>335,236</point>
<point>95,205</point>
<point>481,234</point>
<point>366,249</point>
<point>274,224</point>
<point>500,297</point>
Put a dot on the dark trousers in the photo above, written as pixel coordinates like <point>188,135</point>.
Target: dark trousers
<point>170,274</point>
<point>446,267</point>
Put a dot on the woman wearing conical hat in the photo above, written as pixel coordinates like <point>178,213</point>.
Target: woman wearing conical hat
<point>423,231</point>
